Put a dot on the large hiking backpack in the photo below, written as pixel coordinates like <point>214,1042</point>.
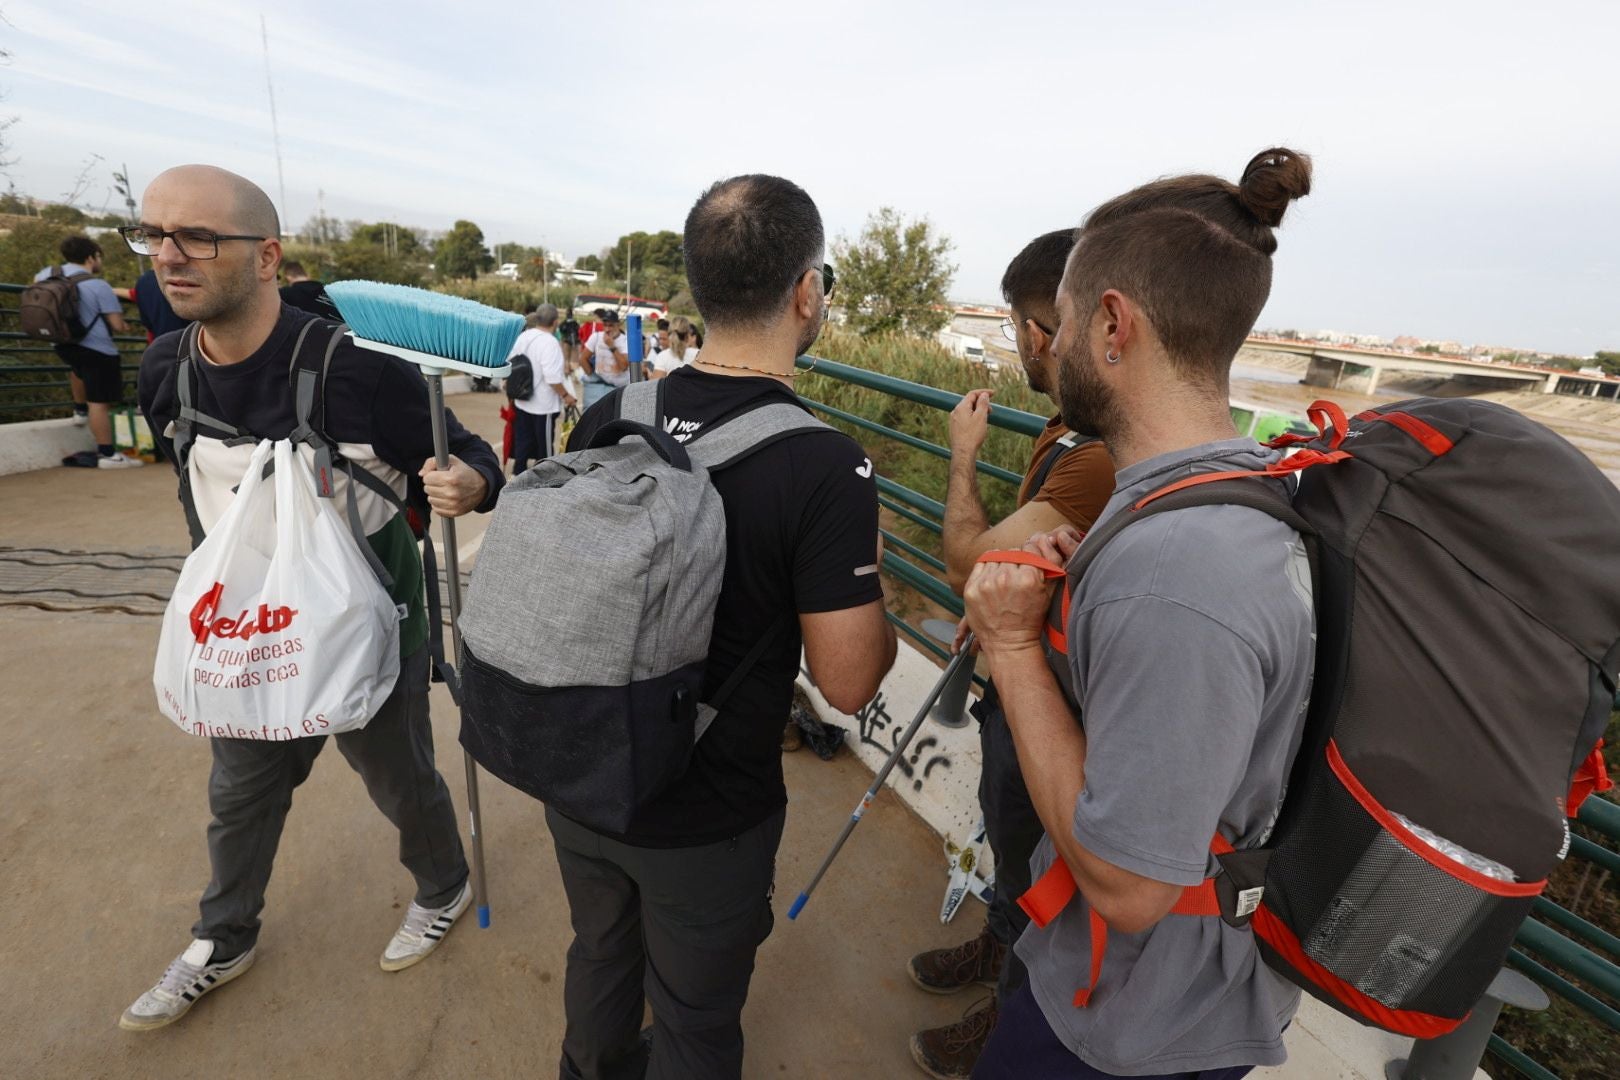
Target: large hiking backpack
<point>1466,564</point>
<point>586,629</point>
<point>49,309</point>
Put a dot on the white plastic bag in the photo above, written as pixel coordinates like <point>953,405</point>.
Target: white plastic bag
<point>277,629</point>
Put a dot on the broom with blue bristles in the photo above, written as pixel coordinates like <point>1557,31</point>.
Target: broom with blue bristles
<point>437,333</point>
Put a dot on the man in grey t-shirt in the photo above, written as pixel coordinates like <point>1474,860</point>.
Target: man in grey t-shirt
<point>1189,646</point>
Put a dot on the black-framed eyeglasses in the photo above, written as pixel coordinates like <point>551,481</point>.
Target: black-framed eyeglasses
<point>1009,329</point>
<point>196,244</point>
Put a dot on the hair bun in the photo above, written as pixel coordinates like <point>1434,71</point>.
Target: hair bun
<point>1273,179</point>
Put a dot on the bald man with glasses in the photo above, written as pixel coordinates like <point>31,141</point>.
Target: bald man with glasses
<point>209,392</point>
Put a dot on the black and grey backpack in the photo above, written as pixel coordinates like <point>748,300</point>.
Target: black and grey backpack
<point>587,622</point>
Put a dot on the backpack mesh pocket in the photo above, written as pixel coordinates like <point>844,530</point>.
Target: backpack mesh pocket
<point>1390,917</point>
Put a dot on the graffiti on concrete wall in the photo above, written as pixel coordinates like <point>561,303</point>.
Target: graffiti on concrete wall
<point>879,730</point>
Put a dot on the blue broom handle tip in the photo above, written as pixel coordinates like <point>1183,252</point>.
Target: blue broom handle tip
<point>798,905</point>
<point>483,916</point>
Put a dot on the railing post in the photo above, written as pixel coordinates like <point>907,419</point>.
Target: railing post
<point>1457,1054</point>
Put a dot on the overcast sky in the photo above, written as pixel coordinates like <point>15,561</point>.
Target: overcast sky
<point>1467,154</point>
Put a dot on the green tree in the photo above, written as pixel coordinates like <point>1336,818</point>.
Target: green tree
<point>588,262</point>
<point>895,277</point>
<point>657,267</point>
<point>461,253</point>
<point>380,251</point>
<point>62,214</point>
<point>1608,361</point>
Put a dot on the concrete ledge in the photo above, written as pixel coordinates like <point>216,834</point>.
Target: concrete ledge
<point>40,444</point>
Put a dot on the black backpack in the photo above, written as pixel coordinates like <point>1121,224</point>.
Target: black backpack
<point>520,381</point>
<point>50,309</point>
<point>1466,575</point>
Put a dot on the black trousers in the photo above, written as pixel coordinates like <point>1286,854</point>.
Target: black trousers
<point>532,437</point>
<point>1013,829</point>
<point>674,926</point>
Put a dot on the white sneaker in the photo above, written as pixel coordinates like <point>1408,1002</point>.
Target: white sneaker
<point>422,931</point>
<point>188,978</point>
<point>119,461</point>
<point>80,419</point>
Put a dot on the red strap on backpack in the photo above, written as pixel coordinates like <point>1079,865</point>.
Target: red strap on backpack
<point>1056,636</point>
<point>1591,777</point>
<point>1052,893</point>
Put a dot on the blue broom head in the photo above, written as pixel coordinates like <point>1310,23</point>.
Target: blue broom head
<point>429,322</point>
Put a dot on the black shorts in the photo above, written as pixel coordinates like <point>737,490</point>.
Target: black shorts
<point>102,375</point>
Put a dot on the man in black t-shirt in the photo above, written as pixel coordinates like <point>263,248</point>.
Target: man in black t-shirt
<point>211,236</point>
<point>674,909</point>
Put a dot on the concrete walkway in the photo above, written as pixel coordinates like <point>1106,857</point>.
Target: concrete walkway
<point>102,858</point>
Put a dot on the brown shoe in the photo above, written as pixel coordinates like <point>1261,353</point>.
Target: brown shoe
<point>945,971</point>
<point>792,738</point>
<point>949,1053</point>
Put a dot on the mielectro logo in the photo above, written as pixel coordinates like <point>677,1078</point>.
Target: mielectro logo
<point>204,624</point>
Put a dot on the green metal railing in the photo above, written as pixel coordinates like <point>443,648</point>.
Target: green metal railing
<point>1573,959</point>
<point>33,382</point>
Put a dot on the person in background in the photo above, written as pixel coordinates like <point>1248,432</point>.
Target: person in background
<point>305,293</point>
<point>680,347</point>
<point>607,364</point>
<point>97,374</point>
<point>156,314</point>
<point>534,432</point>
<point>568,334</point>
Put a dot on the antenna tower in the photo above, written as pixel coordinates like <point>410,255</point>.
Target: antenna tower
<point>275,128</point>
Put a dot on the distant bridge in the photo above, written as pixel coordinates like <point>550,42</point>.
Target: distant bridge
<point>1337,367</point>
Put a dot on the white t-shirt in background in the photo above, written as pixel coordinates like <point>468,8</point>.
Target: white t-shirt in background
<point>603,354</point>
<point>668,361</point>
<point>546,356</point>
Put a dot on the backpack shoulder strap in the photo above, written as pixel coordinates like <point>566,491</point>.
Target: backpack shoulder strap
<point>1252,491</point>
<point>307,378</point>
<point>187,419</point>
<point>643,402</point>
<point>1066,442</point>
<point>747,433</point>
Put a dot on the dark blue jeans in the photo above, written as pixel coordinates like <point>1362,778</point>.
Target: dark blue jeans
<point>1023,1045</point>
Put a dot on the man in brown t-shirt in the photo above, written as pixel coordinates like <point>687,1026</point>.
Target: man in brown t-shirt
<point>1069,479</point>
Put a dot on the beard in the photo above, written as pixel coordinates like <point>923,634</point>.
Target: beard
<point>216,297</point>
<point>811,332</point>
<point>1034,377</point>
<point>1085,402</point>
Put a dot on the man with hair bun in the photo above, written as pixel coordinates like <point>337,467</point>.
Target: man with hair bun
<point>1189,650</point>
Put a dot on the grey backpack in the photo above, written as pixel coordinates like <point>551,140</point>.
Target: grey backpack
<point>587,621</point>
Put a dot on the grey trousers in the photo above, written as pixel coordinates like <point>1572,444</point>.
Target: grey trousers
<point>250,791</point>
<point>674,926</point>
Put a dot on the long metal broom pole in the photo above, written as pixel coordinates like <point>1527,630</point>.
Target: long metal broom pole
<point>883,774</point>
<point>452,576</point>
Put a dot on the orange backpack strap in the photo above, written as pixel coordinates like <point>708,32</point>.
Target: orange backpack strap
<point>1056,636</point>
<point>1051,894</point>
<point>1049,569</point>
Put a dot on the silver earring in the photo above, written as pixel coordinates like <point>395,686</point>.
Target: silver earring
<point>1112,358</point>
